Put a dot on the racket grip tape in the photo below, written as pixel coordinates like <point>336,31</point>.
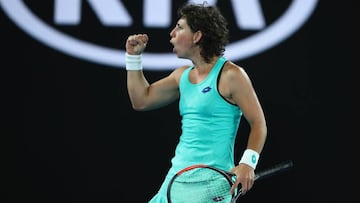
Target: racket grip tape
<point>274,170</point>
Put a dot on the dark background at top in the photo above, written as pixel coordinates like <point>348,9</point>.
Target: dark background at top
<point>70,134</point>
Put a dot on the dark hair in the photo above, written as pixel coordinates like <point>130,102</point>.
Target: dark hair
<point>213,25</point>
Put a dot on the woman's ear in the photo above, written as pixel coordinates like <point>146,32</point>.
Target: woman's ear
<point>197,37</point>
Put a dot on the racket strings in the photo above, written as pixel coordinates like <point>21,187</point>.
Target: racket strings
<point>200,185</point>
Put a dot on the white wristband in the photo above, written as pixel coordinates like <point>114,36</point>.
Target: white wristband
<point>250,157</point>
<point>133,62</point>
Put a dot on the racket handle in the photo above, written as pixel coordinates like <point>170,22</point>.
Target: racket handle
<point>274,170</point>
<point>266,173</point>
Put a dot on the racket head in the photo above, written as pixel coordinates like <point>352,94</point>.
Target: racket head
<point>200,183</point>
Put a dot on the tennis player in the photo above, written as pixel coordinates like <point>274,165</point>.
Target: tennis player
<point>213,92</point>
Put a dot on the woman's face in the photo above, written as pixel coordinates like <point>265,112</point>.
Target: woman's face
<point>182,38</point>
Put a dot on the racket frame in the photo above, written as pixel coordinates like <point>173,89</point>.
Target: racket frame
<point>228,175</point>
<point>280,167</point>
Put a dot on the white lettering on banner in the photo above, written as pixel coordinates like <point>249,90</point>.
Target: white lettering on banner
<point>109,12</point>
<point>154,18</point>
<point>248,16</point>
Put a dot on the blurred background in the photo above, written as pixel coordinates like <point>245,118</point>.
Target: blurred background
<point>75,138</point>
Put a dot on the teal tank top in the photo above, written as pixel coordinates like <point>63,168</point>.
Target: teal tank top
<point>208,122</point>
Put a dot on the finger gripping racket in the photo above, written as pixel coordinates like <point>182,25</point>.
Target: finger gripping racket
<point>206,184</point>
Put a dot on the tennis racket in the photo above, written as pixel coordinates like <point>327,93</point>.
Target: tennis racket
<point>207,184</point>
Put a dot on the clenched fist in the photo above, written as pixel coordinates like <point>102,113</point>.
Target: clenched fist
<point>135,44</point>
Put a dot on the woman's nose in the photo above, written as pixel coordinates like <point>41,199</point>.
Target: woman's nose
<point>172,33</point>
